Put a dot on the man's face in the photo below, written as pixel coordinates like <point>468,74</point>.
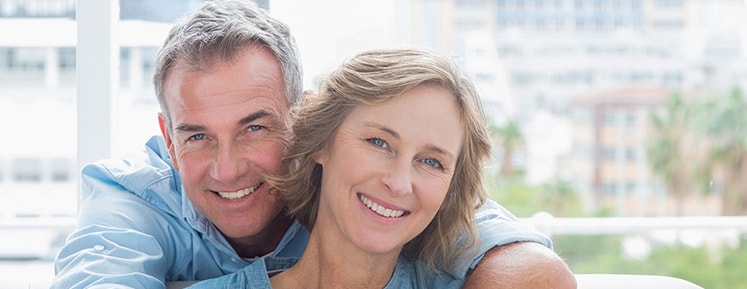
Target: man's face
<point>226,131</point>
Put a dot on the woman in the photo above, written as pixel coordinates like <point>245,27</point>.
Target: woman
<point>384,168</point>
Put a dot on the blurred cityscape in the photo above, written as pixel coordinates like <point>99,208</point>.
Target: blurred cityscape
<point>582,96</point>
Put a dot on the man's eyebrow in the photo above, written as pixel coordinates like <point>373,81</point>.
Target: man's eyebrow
<point>254,116</point>
<point>185,127</point>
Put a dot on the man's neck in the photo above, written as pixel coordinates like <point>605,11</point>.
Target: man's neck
<point>265,241</point>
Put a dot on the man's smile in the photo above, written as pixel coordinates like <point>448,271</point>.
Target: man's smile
<point>238,194</point>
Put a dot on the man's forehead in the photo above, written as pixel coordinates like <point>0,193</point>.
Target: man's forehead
<point>226,78</point>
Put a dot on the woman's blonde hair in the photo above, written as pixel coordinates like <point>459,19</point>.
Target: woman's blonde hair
<point>375,77</point>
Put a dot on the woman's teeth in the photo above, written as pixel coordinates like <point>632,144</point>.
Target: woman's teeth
<point>379,209</point>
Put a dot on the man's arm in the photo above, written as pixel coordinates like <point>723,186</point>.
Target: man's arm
<point>512,254</point>
<point>108,257</point>
<point>116,242</point>
<point>521,265</point>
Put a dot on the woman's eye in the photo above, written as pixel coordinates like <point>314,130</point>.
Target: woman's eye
<point>433,163</point>
<point>378,142</point>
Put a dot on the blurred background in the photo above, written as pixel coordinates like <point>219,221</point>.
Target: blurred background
<point>619,126</point>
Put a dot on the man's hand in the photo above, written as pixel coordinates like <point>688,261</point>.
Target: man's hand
<point>521,265</point>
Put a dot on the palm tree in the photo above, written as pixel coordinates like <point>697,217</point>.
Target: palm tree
<point>509,137</point>
<point>722,121</point>
<point>666,150</point>
<point>558,194</point>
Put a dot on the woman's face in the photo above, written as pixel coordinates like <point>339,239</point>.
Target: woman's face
<point>387,170</point>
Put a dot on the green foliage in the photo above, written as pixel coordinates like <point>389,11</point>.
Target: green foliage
<point>693,146</point>
<point>508,137</point>
<point>556,197</point>
<point>715,268</point>
<point>721,122</point>
<point>518,197</point>
<point>667,124</point>
<point>667,147</point>
<point>560,198</point>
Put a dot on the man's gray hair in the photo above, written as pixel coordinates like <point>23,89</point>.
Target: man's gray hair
<point>218,30</point>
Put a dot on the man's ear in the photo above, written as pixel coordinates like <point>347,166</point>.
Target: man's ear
<point>167,137</point>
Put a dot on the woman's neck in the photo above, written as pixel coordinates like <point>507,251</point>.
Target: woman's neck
<point>336,263</point>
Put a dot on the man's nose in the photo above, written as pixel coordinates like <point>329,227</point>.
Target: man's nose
<point>228,163</point>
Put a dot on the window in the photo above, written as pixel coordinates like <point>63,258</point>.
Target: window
<point>27,170</point>
<point>60,169</point>
<point>541,73</point>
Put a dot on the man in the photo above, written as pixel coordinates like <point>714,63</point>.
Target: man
<point>197,206</point>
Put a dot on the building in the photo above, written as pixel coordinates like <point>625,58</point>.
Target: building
<point>609,148</point>
<point>553,52</point>
<point>38,164</point>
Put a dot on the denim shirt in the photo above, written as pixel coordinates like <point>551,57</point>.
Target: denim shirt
<point>407,275</point>
<point>137,229</point>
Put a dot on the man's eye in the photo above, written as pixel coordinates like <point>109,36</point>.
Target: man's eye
<point>196,137</point>
<point>378,142</point>
<point>255,127</point>
<point>433,163</point>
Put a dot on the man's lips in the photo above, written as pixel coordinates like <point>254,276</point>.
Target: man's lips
<point>238,194</point>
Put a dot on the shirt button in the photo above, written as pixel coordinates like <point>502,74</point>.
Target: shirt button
<point>98,247</point>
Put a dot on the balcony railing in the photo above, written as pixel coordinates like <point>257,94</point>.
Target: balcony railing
<point>633,225</point>
<point>38,237</point>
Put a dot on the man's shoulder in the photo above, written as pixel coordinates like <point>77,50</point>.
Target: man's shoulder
<point>147,177</point>
<point>153,161</point>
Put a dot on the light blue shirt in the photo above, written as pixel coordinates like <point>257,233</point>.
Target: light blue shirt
<point>407,275</point>
<point>136,229</point>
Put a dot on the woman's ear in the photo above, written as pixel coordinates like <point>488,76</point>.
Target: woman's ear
<point>322,156</point>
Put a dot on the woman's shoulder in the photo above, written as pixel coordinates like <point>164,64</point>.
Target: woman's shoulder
<point>416,274</point>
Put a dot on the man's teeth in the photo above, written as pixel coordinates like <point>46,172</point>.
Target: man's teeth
<point>238,194</point>
<point>379,209</point>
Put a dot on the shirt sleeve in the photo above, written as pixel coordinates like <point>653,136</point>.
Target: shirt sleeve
<point>115,244</point>
<point>253,276</point>
<point>496,227</point>
<point>109,257</point>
